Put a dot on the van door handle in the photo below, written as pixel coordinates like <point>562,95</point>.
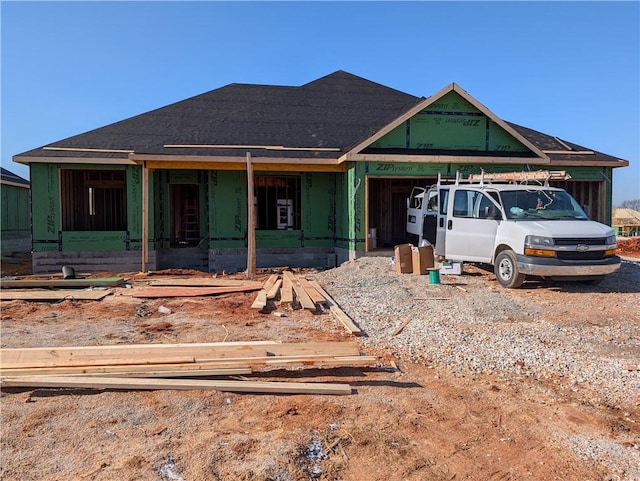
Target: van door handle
<point>441,221</point>
<point>449,224</point>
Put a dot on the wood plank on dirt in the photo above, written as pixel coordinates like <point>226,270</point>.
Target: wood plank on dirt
<point>91,382</point>
<point>260,301</point>
<point>313,293</point>
<point>268,284</point>
<point>46,356</point>
<point>346,321</point>
<point>301,294</point>
<point>273,292</point>
<point>200,368</point>
<point>152,292</point>
<point>53,295</point>
<point>64,283</point>
<point>203,282</point>
<point>286,292</point>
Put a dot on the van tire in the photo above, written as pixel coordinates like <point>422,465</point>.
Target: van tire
<point>506,270</point>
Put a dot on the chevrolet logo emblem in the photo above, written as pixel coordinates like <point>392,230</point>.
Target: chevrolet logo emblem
<point>582,247</point>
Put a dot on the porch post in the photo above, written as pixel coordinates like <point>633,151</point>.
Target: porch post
<point>145,216</point>
<point>251,225</point>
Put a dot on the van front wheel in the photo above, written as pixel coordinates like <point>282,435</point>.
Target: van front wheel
<point>506,270</point>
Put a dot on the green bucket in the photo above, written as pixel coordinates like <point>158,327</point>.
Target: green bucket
<point>434,275</point>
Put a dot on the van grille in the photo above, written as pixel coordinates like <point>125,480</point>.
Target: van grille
<point>580,256</point>
<point>590,241</point>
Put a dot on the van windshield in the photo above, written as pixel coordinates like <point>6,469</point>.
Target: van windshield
<point>537,204</point>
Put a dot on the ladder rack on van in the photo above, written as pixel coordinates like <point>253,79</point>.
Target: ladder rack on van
<point>540,176</point>
<point>520,177</point>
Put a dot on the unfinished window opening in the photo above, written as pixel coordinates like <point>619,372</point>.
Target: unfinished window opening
<point>93,200</point>
<point>185,214</point>
<point>588,194</point>
<point>277,202</point>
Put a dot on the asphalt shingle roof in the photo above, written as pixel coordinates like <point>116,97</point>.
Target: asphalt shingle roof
<point>8,176</point>
<point>337,111</point>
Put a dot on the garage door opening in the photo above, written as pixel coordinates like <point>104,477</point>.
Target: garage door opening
<point>387,209</point>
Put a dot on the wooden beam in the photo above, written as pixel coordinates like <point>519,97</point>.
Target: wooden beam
<point>14,357</point>
<point>346,321</point>
<point>286,294</point>
<point>65,283</point>
<point>52,295</point>
<point>313,293</point>
<point>204,282</point>
<point>179,384</point>
<point>251,223</point>
<point>261,300</point>
<point>145,217</point>
<point>158,291</point>
<point>273,292</point>
<point>301,294</point>
<point>239,164</point>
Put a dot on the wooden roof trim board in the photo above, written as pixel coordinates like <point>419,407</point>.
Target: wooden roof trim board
<point>428,101</point>
<point>239,159</point>
<point>249,147</point>
<point>14,184</point>
<point>85,149</point>
<point>438,159</point>
<point>73,160</point>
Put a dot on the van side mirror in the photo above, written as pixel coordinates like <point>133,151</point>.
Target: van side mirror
<point>490,212</point>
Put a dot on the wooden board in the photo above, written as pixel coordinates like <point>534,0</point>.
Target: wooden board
<point>148,292</point>
<point>313,293</point>
<point>346,321</point>
<point>49,356</point>
<point>203,282</point>
<point>52,295</point>
<point>261,300</point>
<point>286,292</point>
<point>91,382</point>
<point>301,294</point>
<point>273,292</point>
<point>200,368</point>
<point>64,283</point>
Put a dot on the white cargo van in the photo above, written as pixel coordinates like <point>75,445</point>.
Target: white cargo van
<point>515,222</point>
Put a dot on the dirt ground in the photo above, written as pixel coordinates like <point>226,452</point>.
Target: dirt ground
<point>417,422</point>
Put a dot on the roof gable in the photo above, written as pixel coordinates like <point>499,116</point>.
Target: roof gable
<point>451,120</point>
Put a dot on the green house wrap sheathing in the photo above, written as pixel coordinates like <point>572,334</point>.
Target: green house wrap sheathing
<point>47,233</point>
<point>451,123</point>
<point>15,219</point>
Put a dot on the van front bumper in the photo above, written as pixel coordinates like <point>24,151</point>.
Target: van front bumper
<point>551,267</point>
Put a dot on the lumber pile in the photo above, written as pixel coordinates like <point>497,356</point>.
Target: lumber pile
<point>164,366</point>
<point>301,292</point>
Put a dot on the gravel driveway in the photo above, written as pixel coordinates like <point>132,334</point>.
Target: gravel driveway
<point>584,337</point>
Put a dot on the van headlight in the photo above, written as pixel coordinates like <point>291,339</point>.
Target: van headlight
<point>611,240</point>
<point>536,245</point>
<point>538,241</point>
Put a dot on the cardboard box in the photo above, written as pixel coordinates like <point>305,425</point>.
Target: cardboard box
<point>451,268</point>
<point>403,258</point>
<point>422,259</point>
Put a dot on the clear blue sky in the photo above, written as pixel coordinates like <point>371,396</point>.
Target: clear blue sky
<point>568,69</point>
